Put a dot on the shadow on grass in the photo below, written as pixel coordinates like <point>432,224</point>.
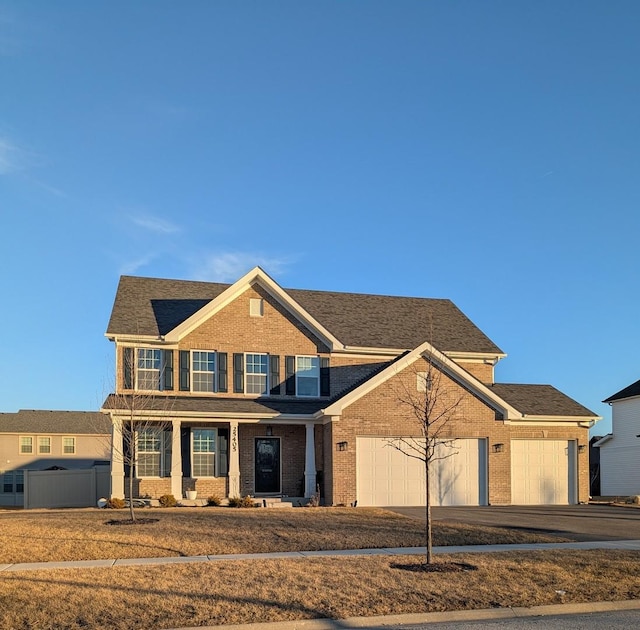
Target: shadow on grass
<point>237,601</point>
<point>434,567</point>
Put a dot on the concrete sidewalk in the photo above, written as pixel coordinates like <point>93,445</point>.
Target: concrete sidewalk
<point>629,545</point>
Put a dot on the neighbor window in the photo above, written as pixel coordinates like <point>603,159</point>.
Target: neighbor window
<point>203,371</point>
<point>26,445</point>
<point>203,452</point>
<point>44,445</point>
<point>68,445</point>
<point>307,376</point>
<point>12,481</point>
<point>256,371</point>
<point>423,382</point>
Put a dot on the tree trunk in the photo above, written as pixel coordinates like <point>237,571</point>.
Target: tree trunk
<point>429,558</point>
<point>131,467</point>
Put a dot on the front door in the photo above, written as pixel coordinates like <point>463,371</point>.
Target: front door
<point>268,465</point>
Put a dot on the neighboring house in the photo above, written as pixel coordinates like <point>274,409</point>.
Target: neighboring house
<point>266,391</point>
<point>48,440</point>
<point>620,449</point>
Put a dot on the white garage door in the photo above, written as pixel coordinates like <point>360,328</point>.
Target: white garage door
<point>542,472</point>
<point>386,476</point>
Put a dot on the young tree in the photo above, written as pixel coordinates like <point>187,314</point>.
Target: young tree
<point>432,399</point>
<point>141,419</point>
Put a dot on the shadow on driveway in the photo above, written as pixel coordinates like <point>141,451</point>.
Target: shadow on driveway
<point>575,522</point>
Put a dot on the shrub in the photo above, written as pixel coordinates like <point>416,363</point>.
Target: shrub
<point>115,504</point>
<point>214,500</point>
<point>168,500</point>
<point>241,502</point>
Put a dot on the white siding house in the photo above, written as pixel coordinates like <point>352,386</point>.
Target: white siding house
<point>620,450</point>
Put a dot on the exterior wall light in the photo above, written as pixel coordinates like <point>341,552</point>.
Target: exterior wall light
<point>342,446</point>
<point>498,448</point>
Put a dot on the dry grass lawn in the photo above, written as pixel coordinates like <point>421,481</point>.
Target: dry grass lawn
<point>216,593</point>
<point>57,535</point>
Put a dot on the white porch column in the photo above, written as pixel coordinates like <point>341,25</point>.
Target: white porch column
<point>310,462</point>
<point>176,461</point>
<point>117,459</point>
<point>234,460</point>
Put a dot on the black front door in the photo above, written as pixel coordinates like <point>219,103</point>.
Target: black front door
<point>268,465</point>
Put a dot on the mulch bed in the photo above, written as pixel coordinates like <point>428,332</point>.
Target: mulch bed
<point>435,567</point>
<point>128,521</point>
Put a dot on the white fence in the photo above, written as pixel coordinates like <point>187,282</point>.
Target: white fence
<point>65,488</point>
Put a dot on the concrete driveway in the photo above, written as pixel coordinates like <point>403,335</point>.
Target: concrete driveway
<point>575,522</point>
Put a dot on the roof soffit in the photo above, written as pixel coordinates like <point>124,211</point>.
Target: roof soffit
<point>259,277</point>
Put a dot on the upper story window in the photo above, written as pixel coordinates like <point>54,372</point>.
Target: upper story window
<point>307,376</point>
<point>69,445</point>
<point>203,370</point>
<point>256,373</point>
<point>147,369</point>
<point>26,445</point>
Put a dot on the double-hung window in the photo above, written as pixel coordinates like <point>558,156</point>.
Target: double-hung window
<point>256,373</point>
<point>150,451</point>
<point>69,445</point>
<point>307,376</point>
<point>203,445</point>
<point>44,445</point>
<point>26,445</point>
<point>149,364</point>
<point>203,371</point>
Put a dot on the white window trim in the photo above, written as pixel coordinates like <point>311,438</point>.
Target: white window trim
<point>423,382</point>
<point>45,437</point>
<point>69,437</point>
<point>307,356</point>
<point>162,454</point>
<point>33,445</point>
<point>193,371</point>
<point>215,453</point>
<point>247,373</point>
<point>137,369</point>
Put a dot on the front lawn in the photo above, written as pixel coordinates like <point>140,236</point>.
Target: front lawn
<point>58,535</point>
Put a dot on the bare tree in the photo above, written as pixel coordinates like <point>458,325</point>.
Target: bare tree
<point>432,400</point>
<point>141,417</point>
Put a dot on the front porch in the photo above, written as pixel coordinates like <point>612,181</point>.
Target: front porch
<point>264,459</point>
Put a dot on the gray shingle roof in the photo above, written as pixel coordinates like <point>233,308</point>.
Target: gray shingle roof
<point>627,392</point>
<point>540,400</point>
<point>52,422</point>
<point>191,404</point>
<point>154,306</point>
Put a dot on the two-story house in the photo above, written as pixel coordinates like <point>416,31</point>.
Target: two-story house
<point>250,388</point>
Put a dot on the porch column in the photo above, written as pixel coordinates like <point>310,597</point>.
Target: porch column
<point>234,460</point>
<point>176,461</point>
<point>310,462</point>
<point>117,459</point>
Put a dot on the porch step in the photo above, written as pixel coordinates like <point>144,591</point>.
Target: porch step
<point>281,502</point>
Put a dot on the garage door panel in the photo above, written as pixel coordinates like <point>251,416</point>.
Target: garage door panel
<point>386,476</point>
<point>541,472</point>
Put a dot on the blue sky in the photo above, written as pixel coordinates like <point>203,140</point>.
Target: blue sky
<point>487,152</point>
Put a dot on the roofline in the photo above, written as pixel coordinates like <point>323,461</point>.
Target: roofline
<point>603,440</point>
<point>255,276</point>
<point>444,362</point>
<point>613,398</point>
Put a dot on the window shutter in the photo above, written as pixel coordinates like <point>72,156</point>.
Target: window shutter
<point>185,449</point>
<point>274,374</point>
<point>222,469</point>
<point>325,383</point>
<point>223,385</point>
<point>127,367</point>
<point>238,373</point>
<point>290,375</point>
<point>167,357</point>
<point>185,360</point>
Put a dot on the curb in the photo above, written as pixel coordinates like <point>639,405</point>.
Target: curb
<point>435,617</point>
